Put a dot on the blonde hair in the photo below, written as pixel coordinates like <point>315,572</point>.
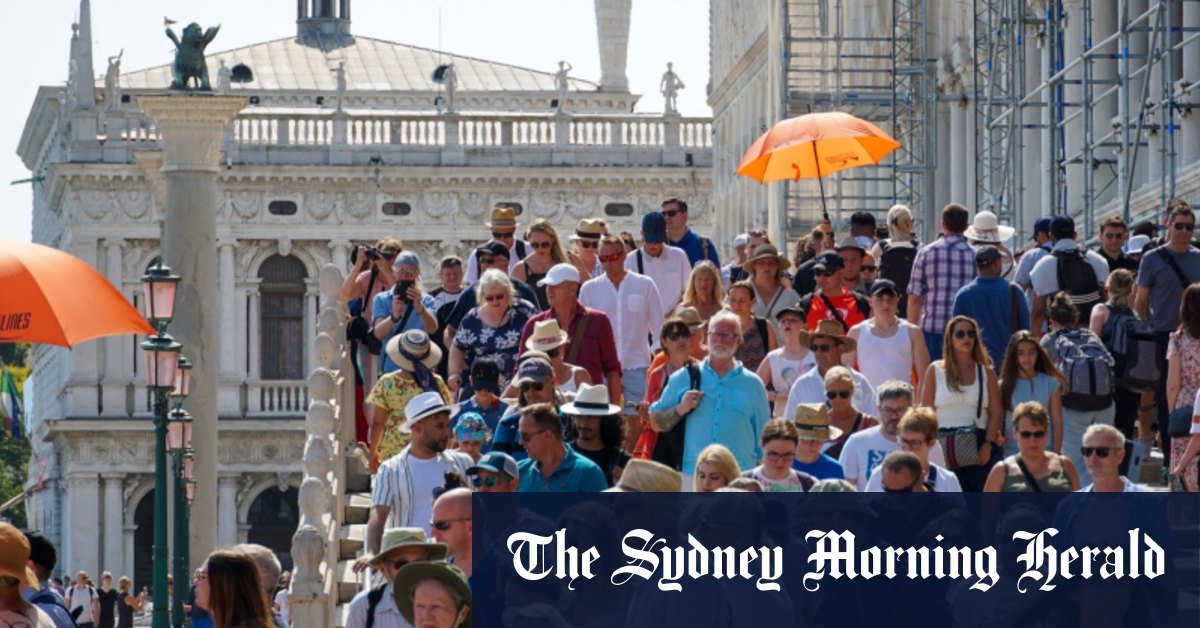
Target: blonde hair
<point>556,250</point>
<point>837,374</point>
<point>704,267</point>
<point>921,420</point>
<point>1120,287</point>
<point>721,459</point>
<point>894,215</point>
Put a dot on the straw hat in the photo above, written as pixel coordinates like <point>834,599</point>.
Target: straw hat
<point>589,229</point>
<point>413,574</point>
<point>829,329</point>
<point>414,342</point>
<point>987,228</point>
<point>546,336</point>
<point>647,476</point>
<point>400,538</point>
<point>689,315</point>
<point>812,421</point>
<point>503,218</point>
<point>765,251</point>
<point>591,401</point>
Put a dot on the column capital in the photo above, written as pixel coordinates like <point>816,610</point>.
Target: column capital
<point>191,126</point>
<point>227,242</point>
<point>113,476</point>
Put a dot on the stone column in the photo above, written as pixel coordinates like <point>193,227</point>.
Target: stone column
<point>191,126</point>
<point>115,348</point>
<point>1104,71</point>
<point>958,153</point>
<point>83,387</point>
<point>81,535</point>
<point>227,490</point>
<point>1189,141</point>
<point>612,33</point>
<point>231,341</point>
<point>114,522</point>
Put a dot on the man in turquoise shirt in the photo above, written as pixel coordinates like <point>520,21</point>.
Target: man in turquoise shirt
<point>552,466</point>
<point>730,408</point>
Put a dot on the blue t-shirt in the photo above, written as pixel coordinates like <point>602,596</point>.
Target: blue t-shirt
<point>823,468</point>
<point>491,417</point>
<point>575,474</point>
<point>381,307</point>
<point>696,247</point>
<point>989,302</point>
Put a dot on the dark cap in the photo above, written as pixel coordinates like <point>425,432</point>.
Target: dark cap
<point>879,286</point>
<point>450,261</point>
<point>1062,227</point>
<point>534,370</point>
<point>496,462</point>
<point>791,309</point>
<point>1041,225</point>
<point>987,255</point>
<point>829,261</point>
<point>862,218</point>
<point>41,550</point>
<point>485,375</point>
<point>654,228</point>
<point>495,249</point>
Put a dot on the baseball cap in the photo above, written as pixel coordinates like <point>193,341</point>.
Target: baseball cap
<point>985,255</point>
<point>1041,225</point>
<point>560,273</point>
<point>41,550</point>
<point>1062,227</point>
<point>880,286</point>
<point>485,375</point>
<point>496,462</point>
<point>741,240</point>
<point>654,228</point>
<point>494,248</point>
<point>534,370</point>
<point>829,261</point>
<point>1136,244</point>
<point>408,258</point>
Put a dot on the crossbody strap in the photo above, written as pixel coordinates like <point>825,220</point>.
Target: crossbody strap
<point>1170,260</point>
<point>981,383</point>
<point>577,337</point>
<point>833,310</point>
<point>1028,476</point>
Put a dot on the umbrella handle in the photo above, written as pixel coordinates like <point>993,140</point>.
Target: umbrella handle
<point>796,167</point>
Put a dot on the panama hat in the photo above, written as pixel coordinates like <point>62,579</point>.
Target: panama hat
<point>812,421</point>
<point>647,476</point>
<point>591,401</point>
<point>413,574</point>
<point>415,343</point>
<point>766,251</point>
<point>400,538</point>
<point>546,336</point>
<point>689,315</point>
<point>987,228</point>
<point>503,218</point>
<point>829,329</point>
<point>422,407</point>
<point>589,229</point>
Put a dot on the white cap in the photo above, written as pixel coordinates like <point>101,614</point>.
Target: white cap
<point>423,406</point>
<point>741,240</point>
<point>560,273</point>
<point>1135,244</point>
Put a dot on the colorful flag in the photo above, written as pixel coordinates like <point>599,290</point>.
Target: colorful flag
<point>10,404</point>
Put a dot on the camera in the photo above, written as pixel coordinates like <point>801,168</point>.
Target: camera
<point>370,252</point>
<point>400,290</point>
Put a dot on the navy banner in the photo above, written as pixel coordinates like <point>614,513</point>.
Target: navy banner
<point>835,559</point>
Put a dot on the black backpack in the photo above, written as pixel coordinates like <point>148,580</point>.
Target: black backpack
<point>668,449</point>
<point>895,263</point>
<point>1133,345</point>
<point>1077,278</point>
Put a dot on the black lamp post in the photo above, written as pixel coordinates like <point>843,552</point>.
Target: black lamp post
<point>179,442</point>
<point>162,365</point>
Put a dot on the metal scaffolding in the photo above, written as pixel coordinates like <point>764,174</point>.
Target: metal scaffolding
<point>834,62</point>
<point>1097,86</point>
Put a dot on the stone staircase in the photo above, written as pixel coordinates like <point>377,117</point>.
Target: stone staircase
<point>356,510</point>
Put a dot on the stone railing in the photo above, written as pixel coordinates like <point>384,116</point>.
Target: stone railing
<point>268,398</point>
<point>263,136</point>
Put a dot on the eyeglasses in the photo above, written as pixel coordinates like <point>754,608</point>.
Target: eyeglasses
<point>541,245</point>
<point>538,386</point>
<point>757,233</point>
<point>869,268</point>
<point>964,333</point>
<point>604,259</point>
<point>820,348</point>
<point>588,244</point>
<point>489,482</point>
<point>1028,435</point>
<point>834,394</point>
<point>526,437</point>
<point>892,411</point>
<point>504,235</point>
<point>493,298</point>
<point>445,525</point>
<point>1185,226</point>
<point>722,336</point>
<point>671,213</point>
<point>1099,451</point>
<point>781,455</point>
<point>911,443</point>
<point>486,261</point>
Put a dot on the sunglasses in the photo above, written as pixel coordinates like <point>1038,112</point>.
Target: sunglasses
<point>781,455</point>
<point>677,334</point>
<point>541,245</point>
<point>552,353</point>
<point>1028,435</point>
<point>869,269</point>
<point>964,333</point>
<point>604,259</point>
<point>820,348</point>
<point>757,233</point>
<point>1185,226</point>
<point>445,525</point>
<point>388,256</point>
<point>486,261</point>
<point>671,213</point>
<point>526,437</point>
<point>588,244</point>
<point>489,482</point>
<point>824,273</point>
<point>493,298</point>
<point>499,235</point>
<point>538,386</point>
<point>1099,451</point>
<point>834,394</point>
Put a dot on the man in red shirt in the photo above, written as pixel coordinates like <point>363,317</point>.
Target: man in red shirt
<point>592,345</point>
<point>831,300</point>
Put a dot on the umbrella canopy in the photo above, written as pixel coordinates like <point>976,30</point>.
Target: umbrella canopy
<point>814,145</point>
<point>52,297</point>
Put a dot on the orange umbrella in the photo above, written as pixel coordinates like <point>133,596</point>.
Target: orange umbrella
<point>52,297</point>
<point>814,145</point>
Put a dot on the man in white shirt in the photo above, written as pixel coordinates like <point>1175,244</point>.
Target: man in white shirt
<point>635,307</point>
<point>504,229</point>
<point>401,546</point>
<point>668,266</point>
<point>83,597</point>
<point>1046,272</point>
<point>403,492</point>
<point>918,435</point>
<point>827,344</point>
<point>865,450</point>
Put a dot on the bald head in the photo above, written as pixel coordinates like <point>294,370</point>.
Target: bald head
<point>453,503</point>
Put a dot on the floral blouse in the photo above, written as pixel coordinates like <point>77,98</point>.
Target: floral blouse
<point>390,394</point>
<point>1184,346</point>
<point>475,339</point>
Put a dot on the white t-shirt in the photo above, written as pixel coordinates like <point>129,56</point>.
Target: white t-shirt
<point>77,597</point>
<point>425,475</point>
<point>281,600</point>
<point>32,617</point>
<point>946,481</point>
<point>670,272</point>
<point>866,449</point>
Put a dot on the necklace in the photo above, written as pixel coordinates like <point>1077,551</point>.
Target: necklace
<point>888,329</point>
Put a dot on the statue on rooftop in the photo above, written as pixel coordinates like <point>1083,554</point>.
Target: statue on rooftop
<point>112,81</point>
<point>224,78</point>
<point>562,82</point>
<point>669,86</point>
<point>339,76</point>
<point>189,56</point>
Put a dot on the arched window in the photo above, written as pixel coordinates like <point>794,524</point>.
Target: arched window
<point>282,318</point>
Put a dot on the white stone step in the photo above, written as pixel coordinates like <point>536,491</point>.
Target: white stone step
<point>356,508</point>
<point>351,539</point>
<point>349,583</point>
